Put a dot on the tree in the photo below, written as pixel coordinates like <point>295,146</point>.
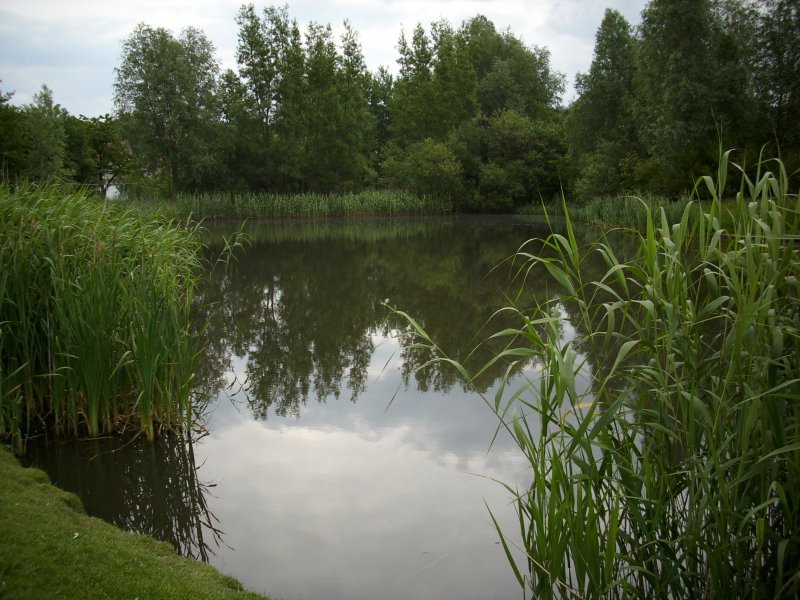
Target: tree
<point>260,53</point>
<point>356,125</point>
<point>290,118</point>
<point>509,74</point>
<point>735,42</point>
<point>454,82</point>
<point>426,168</point>
<point>674,85</point>
<point>521,164</point>
<point>12,139</point>
<point>778,69</point>
<point>165,92</point>
<point>412,115</point>
<point>109,155</point>
<point>46,139</point>
<point>601,124</point>
<point>465,92</point>
<point>323,107</point>
<point>380,90</point>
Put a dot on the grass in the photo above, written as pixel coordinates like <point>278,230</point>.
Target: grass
<point>677,474</point>
<point>50,549</point>
<point>95,333</point>
<point>232,205</point>
<point>625,211</point>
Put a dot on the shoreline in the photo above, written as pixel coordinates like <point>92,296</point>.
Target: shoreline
<point>50,548</point>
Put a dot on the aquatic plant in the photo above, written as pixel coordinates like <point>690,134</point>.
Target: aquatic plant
<point>95,333</point>
<point>676,472</point>
<point>255,205</point>
<point>628,211</point>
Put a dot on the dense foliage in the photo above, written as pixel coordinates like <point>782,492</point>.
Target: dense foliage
<point>473,114</point>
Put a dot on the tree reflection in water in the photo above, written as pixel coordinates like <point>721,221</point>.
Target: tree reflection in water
<point>148,488</point>
<point>298,316</point>
<point>302,307</point>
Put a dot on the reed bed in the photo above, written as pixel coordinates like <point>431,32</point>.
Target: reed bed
<point>373,230</point>
<point>94,316</point>
<point>677,474</point>
<point>624,211</point>
<point>232,205</point>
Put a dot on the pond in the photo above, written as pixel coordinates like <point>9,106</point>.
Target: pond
<point>325,465</point>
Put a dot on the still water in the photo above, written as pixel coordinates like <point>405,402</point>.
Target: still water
<point>325,465</point>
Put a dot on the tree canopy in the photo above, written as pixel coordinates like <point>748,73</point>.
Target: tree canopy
<point>470,112</point>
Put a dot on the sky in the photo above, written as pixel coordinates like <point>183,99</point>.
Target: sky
<point>74,46</point>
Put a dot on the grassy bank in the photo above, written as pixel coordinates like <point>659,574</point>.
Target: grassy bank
<point>95,333</point>
<point>676,472</point>
<point>50,549</point>
<point>627,211</point>
<point>233,205</point>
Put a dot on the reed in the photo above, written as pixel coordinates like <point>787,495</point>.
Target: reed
<point>94,316</point>
<point>233,205</point>
<point>676,474</point>
<point>624,211</point>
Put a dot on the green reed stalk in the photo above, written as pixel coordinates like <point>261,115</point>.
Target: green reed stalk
<point>232,205</point>
<point>94,315</point>
<point>625,211</point>
<point>677,472</point>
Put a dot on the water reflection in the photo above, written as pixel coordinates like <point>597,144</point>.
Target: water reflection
<point>323,489</point>
<point>301,309</point>
<point>146,488</point>
<point>361,511</point>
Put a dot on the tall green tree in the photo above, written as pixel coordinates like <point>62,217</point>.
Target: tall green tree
<point>454,80</point>
<point>356,125</point>
<point>339,125</point>
<point>674,84</point>
<point>109,154</point>
<point>778,70</point>
<point>165,92</point>
<point>323,108</point>
<point>458,97</point>
<point>601,124</point>
<point>12,139</point>
<point>260,53</point>
<point>412,111</point>
<point>735,43</point>
<point>290,124</point>
<point>381,87</point>
<point>46,138</point>
<point>238,137</point>
<point>510,75</point>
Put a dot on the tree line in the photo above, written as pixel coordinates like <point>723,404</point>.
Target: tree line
<point>473,113</point>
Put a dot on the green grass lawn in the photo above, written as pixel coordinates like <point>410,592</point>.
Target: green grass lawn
<point>49,548</point>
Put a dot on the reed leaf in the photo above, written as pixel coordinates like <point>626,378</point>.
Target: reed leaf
<point>677,473</point>
<point>94,312</point>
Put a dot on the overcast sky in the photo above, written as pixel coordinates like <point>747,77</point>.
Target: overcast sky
<point>74,46</point>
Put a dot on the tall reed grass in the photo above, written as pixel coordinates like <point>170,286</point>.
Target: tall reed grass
<point>625,211</point>
<point>677,474</point>
<point>94,316</point>
<point>252,205</point>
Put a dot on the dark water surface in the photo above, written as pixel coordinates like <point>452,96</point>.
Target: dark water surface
<point>327,467</point>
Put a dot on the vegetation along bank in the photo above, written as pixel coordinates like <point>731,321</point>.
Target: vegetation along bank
<point>51,549</point>
<point>672,468</point>
<point>95,300</point>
